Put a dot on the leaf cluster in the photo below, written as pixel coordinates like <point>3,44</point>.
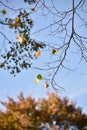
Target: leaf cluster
<point>19,56</point>
<point>46,113</point>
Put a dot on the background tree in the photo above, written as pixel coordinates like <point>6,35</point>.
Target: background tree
<point>49,113</point>
<point>62,23</point>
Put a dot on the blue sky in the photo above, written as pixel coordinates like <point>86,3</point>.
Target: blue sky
<point>75,83</point>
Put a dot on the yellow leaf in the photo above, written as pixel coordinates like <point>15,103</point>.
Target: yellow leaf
<point>17,19</point>
<point>21,40</point>
<point>37,80</point>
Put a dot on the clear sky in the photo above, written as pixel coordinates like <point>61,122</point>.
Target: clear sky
<point>75,83</point>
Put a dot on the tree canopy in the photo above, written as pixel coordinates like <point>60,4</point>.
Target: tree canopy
<point>64,22</point>
<point>52,113</point>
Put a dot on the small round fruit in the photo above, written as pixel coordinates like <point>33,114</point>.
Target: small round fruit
<point>37,53</point>
<point>46,85</point>
<point>32,9</point>
<point>39,76</point>
<point>54,51</point>
<point>4,12</point>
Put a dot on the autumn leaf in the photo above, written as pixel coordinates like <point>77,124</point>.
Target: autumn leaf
<point>17,19</point>
<point>21,40</point>
<point>27,113</point>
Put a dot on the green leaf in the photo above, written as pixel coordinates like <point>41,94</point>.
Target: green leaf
<point>39,76</point>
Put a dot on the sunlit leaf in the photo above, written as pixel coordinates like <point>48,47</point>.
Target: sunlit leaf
<point>37,80</point>
<point>21,40</point>
<point>17,19</point>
